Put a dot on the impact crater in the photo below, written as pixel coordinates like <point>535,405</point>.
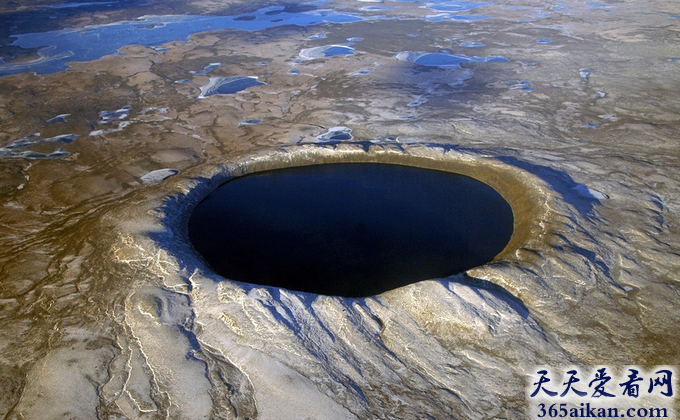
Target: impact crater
<point>354,225</point>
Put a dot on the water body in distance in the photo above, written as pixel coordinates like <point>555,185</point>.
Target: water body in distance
<point>355,229</point>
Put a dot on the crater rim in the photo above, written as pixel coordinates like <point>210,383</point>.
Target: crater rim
<point>523,191</point>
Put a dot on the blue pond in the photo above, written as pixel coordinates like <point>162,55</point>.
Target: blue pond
<point>228,85</point>
<point>325,51</point>
<point>443,60</point>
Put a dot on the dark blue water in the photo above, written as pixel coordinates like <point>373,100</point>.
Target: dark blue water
<point>349,229</point>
